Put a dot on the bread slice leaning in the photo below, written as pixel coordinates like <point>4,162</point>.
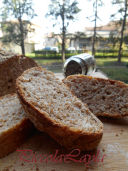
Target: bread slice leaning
<point>104,97</point>
<point>54,109</point>
<point>15,127</point>
<point>11,66</point>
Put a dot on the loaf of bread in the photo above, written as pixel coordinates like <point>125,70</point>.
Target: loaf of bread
<point>15,127</point>
<point>104,97</point>
<point>11,66</point>
<point>53,109</point>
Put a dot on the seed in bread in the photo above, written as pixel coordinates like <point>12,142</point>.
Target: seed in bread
<point>104,97</point>
<point>15,127</point>
<point>54,109</point>
<point>11,66</point>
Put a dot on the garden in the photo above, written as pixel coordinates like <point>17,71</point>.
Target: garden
<point>106,61</point>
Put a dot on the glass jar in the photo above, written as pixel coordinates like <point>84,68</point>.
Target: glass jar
<point>80,64</point>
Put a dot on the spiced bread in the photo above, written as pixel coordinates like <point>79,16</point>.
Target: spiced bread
<point>104,97</point>
<point>52,108</point>
<point>11,66</point>
<point>15,127</point>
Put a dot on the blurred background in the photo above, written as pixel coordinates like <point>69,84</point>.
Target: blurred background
<point>51,31</point>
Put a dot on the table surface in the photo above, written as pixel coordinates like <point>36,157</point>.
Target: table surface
<point>113,147</point>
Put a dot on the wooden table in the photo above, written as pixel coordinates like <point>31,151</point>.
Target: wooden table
<point>114,148</point>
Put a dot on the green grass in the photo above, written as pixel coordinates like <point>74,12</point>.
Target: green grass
<point>116,73</point>
<point>48,61</point>
<point>112,69</point>
<point>50,56</point>
<point>31,55</point>
<point>108,65</point>
<point>110,61</point>
<point>100,61</point>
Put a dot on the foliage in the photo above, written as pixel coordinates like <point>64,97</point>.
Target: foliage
<point>103,54</point>
<point>94,18</point>
<point>11,31</point>
<point>16,9</point>
<point>113,53</point>
<point>58,7</point>
<point>122,10</point>
<point>52,54</point>
<point>65,10</point>
<point>126,39</point>
<point>114,39</point>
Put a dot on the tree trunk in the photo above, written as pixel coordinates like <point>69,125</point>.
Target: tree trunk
<point>63,35</point>
<point>94,35</point>
<point>63,45</point>
<point>122,33</point>
<point>22,36</point>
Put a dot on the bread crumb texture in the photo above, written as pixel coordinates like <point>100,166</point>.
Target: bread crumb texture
<point>104,97</point>
<point>11,112</point>
<point>15,127</point>
<point>45,92</point>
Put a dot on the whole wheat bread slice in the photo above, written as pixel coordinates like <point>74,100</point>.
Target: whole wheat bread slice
<point>104,97</point>
<point>54,109</point>
<point>15,127</point>
<point>11,66</point>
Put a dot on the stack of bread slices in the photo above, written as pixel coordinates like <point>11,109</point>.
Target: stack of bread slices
<point>15,126</point>
<point>67,110</point>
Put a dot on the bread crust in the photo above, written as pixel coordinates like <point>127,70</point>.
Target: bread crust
<point>119,83</point>
<point>64,135</point>
<point>13,137</point>
<point>10,68</point>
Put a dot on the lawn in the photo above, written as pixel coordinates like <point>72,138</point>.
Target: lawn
<point>116,73</point>
<point>112,69</point>
<point>102,62</point>
<point>107,65</point>
<point>108,61</point>
<point>48,61</point>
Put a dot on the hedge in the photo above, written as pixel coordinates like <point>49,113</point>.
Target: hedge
<point>43,54</point>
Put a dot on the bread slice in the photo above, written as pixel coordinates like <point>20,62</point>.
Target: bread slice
<point>54,109</point>
<point>11,66</point>
<point>15,127</point>
<point>104,97</point>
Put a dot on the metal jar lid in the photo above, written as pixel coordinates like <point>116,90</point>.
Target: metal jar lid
<point>80,64</point>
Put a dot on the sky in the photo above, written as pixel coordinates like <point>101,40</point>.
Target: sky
<point>41,8</point>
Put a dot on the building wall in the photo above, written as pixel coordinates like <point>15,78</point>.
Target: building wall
<point>29,48</point>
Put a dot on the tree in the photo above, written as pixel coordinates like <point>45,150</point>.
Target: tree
<point>113,39</point>
<point>96,3</point>
<point>123,4</point>
<point>17,9</point>
<point>94,18</point>
<point>66,11</point>
<point>11,31</point>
